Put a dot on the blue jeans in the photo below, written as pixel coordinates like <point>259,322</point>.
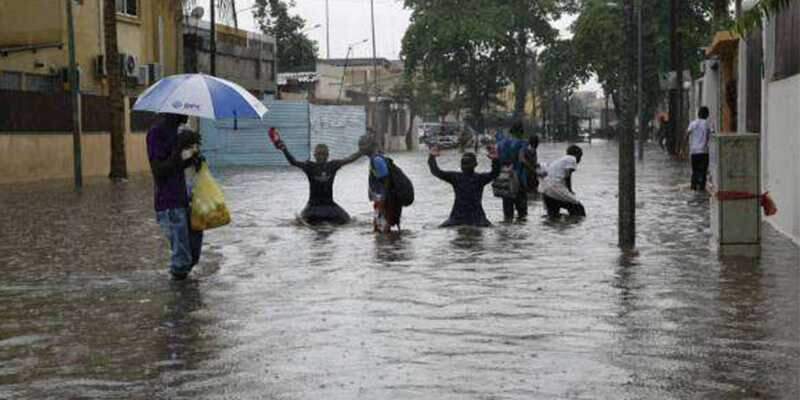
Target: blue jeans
<point>185,243</point>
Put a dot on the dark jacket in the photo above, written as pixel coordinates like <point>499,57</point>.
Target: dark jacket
<point>468,188</point>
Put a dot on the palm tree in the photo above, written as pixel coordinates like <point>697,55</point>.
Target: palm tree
<point>753,18</point>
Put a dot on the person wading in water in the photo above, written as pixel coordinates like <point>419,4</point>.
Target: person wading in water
<point>320,208</point>
<point>468,187</point>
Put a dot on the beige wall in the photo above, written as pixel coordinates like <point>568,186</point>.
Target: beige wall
<point>39,156</point>
<point>30,22</point>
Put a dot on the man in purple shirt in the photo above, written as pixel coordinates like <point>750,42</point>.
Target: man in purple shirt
<point>169,154</point>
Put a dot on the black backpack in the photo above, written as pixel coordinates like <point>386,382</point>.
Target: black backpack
<point>401,187</point>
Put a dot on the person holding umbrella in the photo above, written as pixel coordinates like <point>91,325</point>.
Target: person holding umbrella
<point>169,154</point>
<point>173,99</point>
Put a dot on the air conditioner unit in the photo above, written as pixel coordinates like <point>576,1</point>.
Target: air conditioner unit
<point>100,70</point>
<point>129,65</point>
<point>143,75</point>
<point>156,72</point>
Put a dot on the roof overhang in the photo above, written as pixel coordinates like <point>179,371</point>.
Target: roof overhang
<point>725,43</point>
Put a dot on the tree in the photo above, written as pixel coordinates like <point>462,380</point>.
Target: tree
<point>119,169</point>
<point>477,47</point>
<point>295,49</point>
<point>763,9</point>
<point>560,74</point>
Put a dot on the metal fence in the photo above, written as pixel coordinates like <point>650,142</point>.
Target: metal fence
<point>302,126</point>
<point>26,112</point>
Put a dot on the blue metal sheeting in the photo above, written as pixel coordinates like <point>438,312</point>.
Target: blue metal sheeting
<point>245,142</point>
<point>339,127</point>
<point>302,126</point>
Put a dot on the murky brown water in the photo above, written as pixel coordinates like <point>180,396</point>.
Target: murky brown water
<point>276,310</point>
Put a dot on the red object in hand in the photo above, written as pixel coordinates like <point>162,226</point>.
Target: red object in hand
<point>274,136</point>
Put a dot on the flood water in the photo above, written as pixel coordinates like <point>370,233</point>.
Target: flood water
<point>278,310</point>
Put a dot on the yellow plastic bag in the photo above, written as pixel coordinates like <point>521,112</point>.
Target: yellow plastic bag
<point>208,203</point>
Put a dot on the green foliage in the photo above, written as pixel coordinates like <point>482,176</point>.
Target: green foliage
<point>295,49</point>
<point>764,9</point>
<point>475,47</point>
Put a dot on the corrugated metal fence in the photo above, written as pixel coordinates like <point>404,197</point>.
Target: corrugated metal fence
<point>302,125</point>
<point>339,127</point>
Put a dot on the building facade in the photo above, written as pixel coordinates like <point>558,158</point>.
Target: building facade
<point>35,112</point>
<point>247,58</point>
<point>34,51</point>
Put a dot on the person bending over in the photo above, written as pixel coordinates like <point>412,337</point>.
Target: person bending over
<point>320,208</point>
<point>557,186</point>
<point>468,187</point>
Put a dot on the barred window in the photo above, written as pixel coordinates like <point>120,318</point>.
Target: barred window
<point>10,80</point>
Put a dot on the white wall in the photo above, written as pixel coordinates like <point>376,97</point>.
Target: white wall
<point>780,151</point>
<point>711,94</point>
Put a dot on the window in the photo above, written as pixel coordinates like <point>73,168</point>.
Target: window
<point>40,83</point>
<point>127,7</point>
<point>787,42</point>
<point>10,80</point>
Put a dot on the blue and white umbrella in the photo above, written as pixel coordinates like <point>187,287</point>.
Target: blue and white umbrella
<point>200,95</point>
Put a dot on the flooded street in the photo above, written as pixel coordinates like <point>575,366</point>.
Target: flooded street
<point>278,310</point>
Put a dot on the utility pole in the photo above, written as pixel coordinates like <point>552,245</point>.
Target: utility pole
<point>374,47</point>
<point>327,29</point>
<point>639,84</point>
<point>627,164</point>
<point>676,66</point>
<point>213,41</point>
<point>74,85</point>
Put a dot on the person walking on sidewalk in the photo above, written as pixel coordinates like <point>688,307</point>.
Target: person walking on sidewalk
<point>321,173</point>
<point>169,154</point>
<point>468,187</point>
<point>698,135</point>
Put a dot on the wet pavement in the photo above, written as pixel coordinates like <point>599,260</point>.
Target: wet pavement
<point>277,310</point>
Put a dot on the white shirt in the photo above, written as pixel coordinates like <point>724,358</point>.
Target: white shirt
<point>557,170</point>
<point>554,185</point>
<point>699,130</point>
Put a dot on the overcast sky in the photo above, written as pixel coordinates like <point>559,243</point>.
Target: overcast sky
<point>350,23</point>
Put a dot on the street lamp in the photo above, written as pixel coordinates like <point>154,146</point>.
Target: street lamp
<point>346,59</point>
<point>311,28</point>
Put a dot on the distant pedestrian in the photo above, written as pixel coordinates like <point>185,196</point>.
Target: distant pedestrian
<point>531,165</point>
<point>663,131</point>
<point>468,187</point>
<point>512,154</point>
<point>169,154</point>
<point>698,135</point>
<point>557,190</point>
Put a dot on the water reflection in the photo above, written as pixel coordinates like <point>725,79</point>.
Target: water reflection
<point>541,309</point>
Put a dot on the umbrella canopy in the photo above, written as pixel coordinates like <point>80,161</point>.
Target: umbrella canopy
<point>200,95</point>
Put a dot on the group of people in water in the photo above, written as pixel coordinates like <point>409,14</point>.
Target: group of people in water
<point>515,171</point>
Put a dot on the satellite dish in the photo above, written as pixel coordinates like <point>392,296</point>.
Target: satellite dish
<point>197,12</point>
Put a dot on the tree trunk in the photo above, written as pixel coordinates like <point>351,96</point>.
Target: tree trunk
<point>627,165</point>
<point>119,169</point>
<point>521,81</point>
<point>676,66</point>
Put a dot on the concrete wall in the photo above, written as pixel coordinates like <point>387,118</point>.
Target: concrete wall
<point>39,156</point>
<point>780,150</point>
